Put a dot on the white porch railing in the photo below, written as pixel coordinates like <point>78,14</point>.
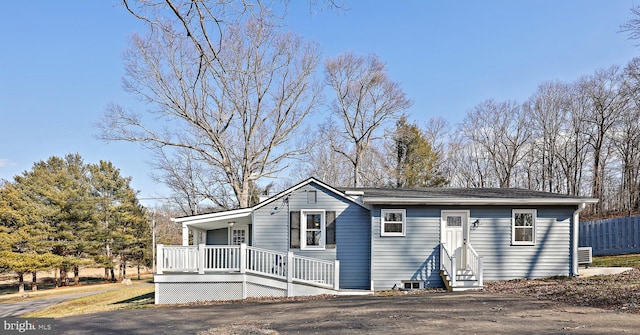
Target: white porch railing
<point>267,262</point>
<point>474,263</point>
<point>316,271</point>
<point>178,258</point>
<point>242,258</point>
<point>448,264</point>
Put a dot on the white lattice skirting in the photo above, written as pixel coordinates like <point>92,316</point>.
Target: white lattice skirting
<point>179,293</point>
<point>178,288</point>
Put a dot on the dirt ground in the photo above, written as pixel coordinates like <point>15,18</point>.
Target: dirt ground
<point>424,313</point>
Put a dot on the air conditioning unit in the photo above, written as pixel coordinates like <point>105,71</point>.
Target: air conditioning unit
<point>584,256</point>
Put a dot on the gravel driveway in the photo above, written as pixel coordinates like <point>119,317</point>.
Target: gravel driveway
<point>425,313</point>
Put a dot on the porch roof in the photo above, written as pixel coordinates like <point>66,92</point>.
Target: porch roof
<point>217,220</point>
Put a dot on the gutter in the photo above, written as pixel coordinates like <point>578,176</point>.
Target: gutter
<point>574,246</point>
<point>477,201</point>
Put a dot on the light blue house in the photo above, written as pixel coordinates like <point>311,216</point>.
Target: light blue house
<point>317,239</point>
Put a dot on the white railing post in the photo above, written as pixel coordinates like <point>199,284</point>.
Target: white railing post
<point>243,257</point>
<point>289,274</point>
<point>336,275</point>
<point>201,258</point>
<point>480,271</point>
<point>159,259</point>
<point>453,271</point>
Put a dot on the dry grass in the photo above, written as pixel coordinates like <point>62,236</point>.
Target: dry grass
<point>619,292</point>
<point>126,297</point>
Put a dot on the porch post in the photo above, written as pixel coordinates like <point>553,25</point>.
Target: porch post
<point>203,237</point>
<point>185,235</point>
<point>201,258</point>
<point>159,258</point>
<point>243,258</point>
<point>336,275</point>
<point>289,274</point>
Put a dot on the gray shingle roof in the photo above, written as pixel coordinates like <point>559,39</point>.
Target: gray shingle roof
<point>463,195</point>
<point>475,193</point>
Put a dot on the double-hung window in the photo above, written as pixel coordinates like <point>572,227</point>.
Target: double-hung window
<point>393,222</point>
<point>313,229</point>
<point>523,227</point>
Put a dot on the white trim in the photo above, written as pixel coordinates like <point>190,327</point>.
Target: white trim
<point>534,214</point>
<point>476,201</point>
<point>404,221</point>
<point>303,229</point>
<point>232,214</point>
<point>574,245</point>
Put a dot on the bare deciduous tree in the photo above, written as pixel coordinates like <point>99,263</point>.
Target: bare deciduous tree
<point>365,100</point>
<point>236,115</point>
<point>500,129</point>
<point>607,104</point>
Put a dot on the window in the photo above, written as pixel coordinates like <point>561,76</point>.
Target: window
<point>238,236</point>
<point>523,227</point>
<point>392,222</point>
<point>454,221</point>
<point>312,229</point>
<point>411,285</point>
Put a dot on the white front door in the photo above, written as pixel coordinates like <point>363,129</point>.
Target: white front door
<point>455,235</point>
<point>238,236</point>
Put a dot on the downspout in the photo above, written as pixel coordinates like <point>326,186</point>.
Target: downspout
<point>574,246</point>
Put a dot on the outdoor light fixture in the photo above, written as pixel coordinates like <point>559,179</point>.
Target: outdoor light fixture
<point>231,223</point>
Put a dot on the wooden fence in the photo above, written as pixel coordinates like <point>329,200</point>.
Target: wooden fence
<point>611,236</point>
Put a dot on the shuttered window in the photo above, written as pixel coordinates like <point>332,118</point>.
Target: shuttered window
<point>317,229</point>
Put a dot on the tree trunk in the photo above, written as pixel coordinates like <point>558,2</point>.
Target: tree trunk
<point>55,277</point>
<point>34,281</point>
<point>113,275</point>
<point>106,274</point>
<point>138,271</point>
<point>64,278</point>
<point>123,264</point>
<point>76,274</point>
<point>21,283</point>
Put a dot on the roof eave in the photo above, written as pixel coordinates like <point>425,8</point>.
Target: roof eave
<point>214,216</point>
<point>477,201</point>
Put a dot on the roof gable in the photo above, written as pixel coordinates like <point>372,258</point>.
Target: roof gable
<point>312,180</point>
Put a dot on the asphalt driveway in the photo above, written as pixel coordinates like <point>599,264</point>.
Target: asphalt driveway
<point>427,313</point>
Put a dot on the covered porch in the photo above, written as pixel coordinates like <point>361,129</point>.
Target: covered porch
<point>207,272</point>
<point>223,228</point>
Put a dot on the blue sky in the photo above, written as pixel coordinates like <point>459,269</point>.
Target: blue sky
<point>61,63</point>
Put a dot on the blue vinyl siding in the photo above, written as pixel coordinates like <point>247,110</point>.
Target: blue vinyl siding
<point>410,257</point>
<point>550,256</point>
<point>271,231</point>
<point>416,256</point>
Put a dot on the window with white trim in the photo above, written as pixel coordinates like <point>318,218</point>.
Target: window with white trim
<point>523,227</point>
<point>393,222</point>
<point>312,229</point>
